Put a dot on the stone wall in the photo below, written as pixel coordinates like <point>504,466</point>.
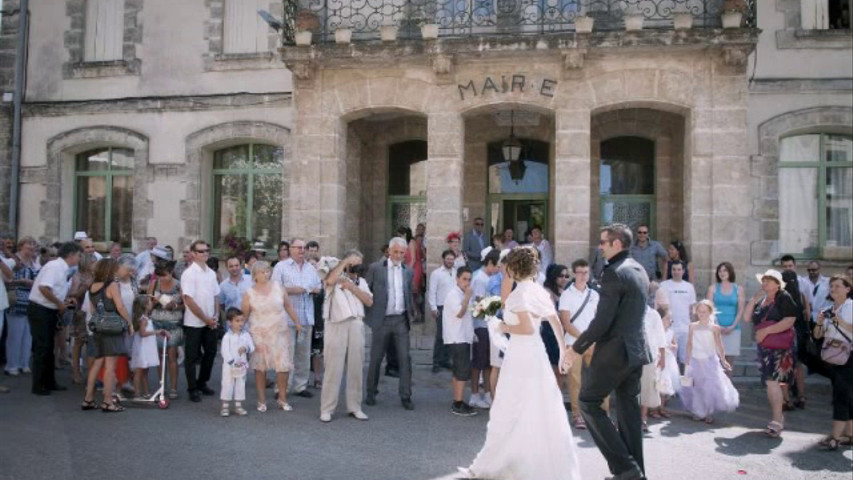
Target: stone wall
<point>8,46</point>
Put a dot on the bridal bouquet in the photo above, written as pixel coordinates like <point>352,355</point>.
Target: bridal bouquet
<point>487,307</point>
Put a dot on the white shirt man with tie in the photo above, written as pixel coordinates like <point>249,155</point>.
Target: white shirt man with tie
<point>389,318</point>
<point>441,281</point>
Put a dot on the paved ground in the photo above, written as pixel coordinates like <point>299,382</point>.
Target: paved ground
<point>50,438</point>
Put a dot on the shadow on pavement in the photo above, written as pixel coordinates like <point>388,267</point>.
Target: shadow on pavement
<point>840,461</point>
<point>749,443</point>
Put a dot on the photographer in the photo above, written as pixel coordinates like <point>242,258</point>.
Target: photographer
<point>346,296</point>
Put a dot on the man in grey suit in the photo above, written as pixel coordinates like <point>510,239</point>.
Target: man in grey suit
<point>389,318</point>
<point>474,243</point>
<point>621,350</point>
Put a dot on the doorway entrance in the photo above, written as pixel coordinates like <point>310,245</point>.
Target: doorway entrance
<point>518,191</point>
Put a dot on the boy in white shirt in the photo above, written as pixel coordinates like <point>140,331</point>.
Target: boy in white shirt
<point>681,297</point>
<point>236,345</point>
<point>458,333</point>
<point>578,304</point>
<point>481,348</point>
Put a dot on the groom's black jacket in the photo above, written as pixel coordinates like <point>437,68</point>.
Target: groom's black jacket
<point>617,329</point>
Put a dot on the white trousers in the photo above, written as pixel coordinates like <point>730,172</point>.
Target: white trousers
<point>19,341</point>
<point>233,388</point>
<point>343,346</point>
<point>301,352</point>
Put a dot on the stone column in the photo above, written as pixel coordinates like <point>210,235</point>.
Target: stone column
<point>572,185</point>
<point>316,202</point>
<point>445,148</point>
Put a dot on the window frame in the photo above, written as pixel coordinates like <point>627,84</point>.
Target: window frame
<point>821,165</point>
<point>650,199</point>
<point>251,172</point>
<point>108,174</point>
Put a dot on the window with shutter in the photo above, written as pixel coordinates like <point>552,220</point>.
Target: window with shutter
<point>244,30</point>
<point>104,30</point>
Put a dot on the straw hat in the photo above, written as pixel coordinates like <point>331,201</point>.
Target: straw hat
<point>774,274</point>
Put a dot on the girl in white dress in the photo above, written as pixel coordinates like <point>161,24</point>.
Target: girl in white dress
<point>670,378</point>
<point>528,434</point>
<point>144,352</point>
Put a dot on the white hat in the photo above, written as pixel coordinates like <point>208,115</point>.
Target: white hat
<point>80,236</point>
<point>325,265</point>
<point>485,252</point>
<point>774,274</point>
<point>161,253</point>
<point>259,247</point>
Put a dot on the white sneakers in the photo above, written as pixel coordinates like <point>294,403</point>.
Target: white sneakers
<point>359,415</point>
<point>481,400</point>
<point>325,418</point>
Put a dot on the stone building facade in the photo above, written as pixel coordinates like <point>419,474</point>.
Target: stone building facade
<point>208,127</point>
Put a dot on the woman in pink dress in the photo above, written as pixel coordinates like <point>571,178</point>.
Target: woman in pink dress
<point>264,305</point>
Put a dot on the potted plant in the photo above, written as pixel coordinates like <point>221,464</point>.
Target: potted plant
<point>343,34</point>
<point>388,32</point>
<point>307,20</point>
<point>584,24</point>
<point>733,11</point>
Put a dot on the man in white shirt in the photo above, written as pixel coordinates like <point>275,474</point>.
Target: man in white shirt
<point>681,297</point>
<point>86,243</point>
<point>47,303</point>
<point>300,280</point>
<point>481,349</point>
<point>201,319</point>
<point>578,304</point>
<point>441,281</point>
<point>458,333</point>
<point>816,290</point>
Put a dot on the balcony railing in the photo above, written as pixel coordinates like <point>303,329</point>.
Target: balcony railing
<point>490,17</point>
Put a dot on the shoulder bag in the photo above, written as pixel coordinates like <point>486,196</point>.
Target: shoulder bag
<point>105,323</point>
<point>775,341</point>
<point>583,305</point>
<point>836,351</point>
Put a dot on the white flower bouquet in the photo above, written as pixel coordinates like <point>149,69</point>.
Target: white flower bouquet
<point>487,307</point>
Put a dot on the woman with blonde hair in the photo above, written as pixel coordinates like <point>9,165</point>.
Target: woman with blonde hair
<point>264,306</point>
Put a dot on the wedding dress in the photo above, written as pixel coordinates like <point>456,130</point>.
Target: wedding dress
<point>528,435</point>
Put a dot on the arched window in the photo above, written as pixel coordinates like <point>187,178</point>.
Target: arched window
<point>247,192</point>
<point>103,195</point>
<point>627,181</point>
<point>816,195</point>
<point>407,184</point>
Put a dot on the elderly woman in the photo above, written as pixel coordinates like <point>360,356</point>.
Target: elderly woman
<point>835,325</point>
<point>128,289</point>
<point>107,348</point>
<point>454,244</point>
<point>18,338</point>
<point>773,307</point>
<point>346,296</point>
<point>168,312</point>
<point>264,305</point>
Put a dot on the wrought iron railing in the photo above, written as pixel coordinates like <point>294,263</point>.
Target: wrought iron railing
<point>491,17</point>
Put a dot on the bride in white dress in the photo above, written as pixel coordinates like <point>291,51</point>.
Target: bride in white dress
<point>528,435</point>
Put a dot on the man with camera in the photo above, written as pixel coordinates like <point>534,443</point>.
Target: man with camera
<point>343,310</point>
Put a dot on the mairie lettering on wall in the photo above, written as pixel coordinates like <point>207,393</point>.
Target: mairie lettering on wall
<point>507,84</point>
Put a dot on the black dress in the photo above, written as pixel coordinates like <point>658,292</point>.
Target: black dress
<point>776,365</point>
<point>107,345</point>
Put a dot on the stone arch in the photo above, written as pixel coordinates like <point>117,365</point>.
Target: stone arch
<point>56,208</point>
<point>200,146</point>
<point>661,89</point>
<point>358,98</point>
<point>825,119</point>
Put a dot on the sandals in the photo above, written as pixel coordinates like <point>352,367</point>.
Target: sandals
<point>87,405</point>
<point>111,407</point>
<point>284,406</point>
<point>800,403</point>
<point>829,443</point>
<point>645,426</point>
<point>262,407</point>
<point>664,413</point>
<point>774,429</point>
<point>654,414</point>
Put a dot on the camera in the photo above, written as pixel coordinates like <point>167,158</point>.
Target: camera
<point>828,313</point>
<point>355,269</point>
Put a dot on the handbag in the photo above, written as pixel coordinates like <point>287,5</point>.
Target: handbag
<point>775,341</point>
<point>836,351</point>
<point>106,323</point>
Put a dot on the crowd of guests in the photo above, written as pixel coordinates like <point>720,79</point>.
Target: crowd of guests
<point>303,316</point>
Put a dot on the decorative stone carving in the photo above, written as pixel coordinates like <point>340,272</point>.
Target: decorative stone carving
<point>442,65</point>
<point>736,55</point>
<point>302,69</point>
<point>573,59</point>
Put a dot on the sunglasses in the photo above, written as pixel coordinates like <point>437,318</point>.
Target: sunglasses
<point>640,232</point>
<point>479,224</point>
<point>565,276</point>
<point>202,251</point>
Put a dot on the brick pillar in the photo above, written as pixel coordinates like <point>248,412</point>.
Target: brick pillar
<point>316,203</point>
<point>445,138</point>
<point>572,185</point>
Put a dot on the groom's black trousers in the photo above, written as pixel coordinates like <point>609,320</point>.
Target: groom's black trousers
<point>623,450</point>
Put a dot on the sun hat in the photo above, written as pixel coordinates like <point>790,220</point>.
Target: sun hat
<point>485,252</point>
<point>259,247</point>
<point>774,274</point>
<point>161,253</point>
<point>80,236</point>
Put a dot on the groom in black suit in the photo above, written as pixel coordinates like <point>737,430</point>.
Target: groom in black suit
<point>621,350</point>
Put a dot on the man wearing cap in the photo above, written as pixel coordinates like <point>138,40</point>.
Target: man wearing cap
<point>86,243</point>
<point>474,243</point>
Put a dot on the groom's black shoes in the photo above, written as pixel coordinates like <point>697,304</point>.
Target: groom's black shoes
<point>633,474</point>
<point>370,400</point>
<point>407,403</point>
